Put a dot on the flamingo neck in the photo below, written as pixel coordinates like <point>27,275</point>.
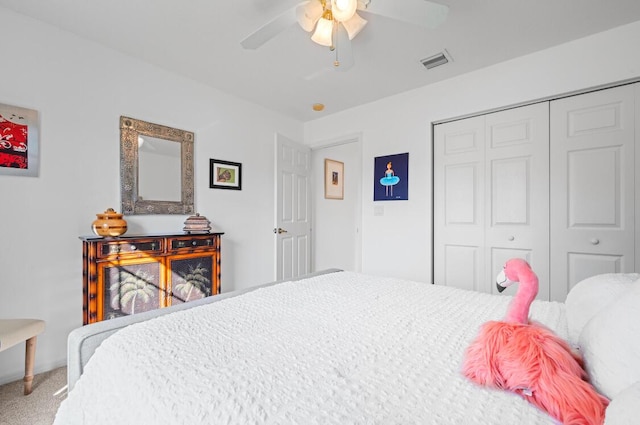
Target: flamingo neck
<point>527,290</point>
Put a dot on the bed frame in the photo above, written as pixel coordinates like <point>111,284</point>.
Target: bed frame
<point>84,341</point>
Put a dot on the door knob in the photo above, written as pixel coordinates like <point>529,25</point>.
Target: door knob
<point>279,230</point>
<point>595,241</point>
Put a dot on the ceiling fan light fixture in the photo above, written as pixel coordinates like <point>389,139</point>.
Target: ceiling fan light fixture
<point>343,10</point>
<point>363,4</point>
<point>308,14</point>
<point>354,25</point>
<point>323,34</point>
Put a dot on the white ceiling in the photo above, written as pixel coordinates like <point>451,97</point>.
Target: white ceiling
<point>200,39</point>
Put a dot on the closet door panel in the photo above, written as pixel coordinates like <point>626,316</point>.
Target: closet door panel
<point>592,186</point>
<point>459,199</point>
<point>517,158</point>
<point>510,191</point>
<point>582,266</point>
<point>462,266</point>
<point>595,197</point>
<point>460,193</point>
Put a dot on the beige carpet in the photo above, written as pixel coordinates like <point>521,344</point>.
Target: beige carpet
<point>39,407</point>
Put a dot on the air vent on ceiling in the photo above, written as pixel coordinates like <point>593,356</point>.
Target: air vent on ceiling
<point>436,60</point>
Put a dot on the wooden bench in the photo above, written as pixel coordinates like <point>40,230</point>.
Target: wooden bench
<point>14,331</point>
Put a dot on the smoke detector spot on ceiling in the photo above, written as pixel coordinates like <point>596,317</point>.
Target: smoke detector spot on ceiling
<point>436,60</point>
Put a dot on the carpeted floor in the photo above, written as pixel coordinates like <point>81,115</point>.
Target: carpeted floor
<point>39,407</point>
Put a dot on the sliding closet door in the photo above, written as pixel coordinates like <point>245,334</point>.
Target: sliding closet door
<point>491,179</point>
<point>592,186</point>
<point>459,225</point>
<point>517,207</point>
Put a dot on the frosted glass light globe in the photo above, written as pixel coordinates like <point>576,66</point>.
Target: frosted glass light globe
<point>343,10</point>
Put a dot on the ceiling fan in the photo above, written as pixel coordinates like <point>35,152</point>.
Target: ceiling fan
<point>334,23</point>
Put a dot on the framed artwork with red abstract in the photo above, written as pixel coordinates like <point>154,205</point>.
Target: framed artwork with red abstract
<point>19,141</point>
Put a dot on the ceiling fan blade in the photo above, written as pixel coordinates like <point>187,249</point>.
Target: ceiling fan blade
<point>417,12</point>
<point>270,29</point>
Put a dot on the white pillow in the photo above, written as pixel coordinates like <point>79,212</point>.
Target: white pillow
<point>591,295</point>
<point>625,408</point>
<point>610,344</point>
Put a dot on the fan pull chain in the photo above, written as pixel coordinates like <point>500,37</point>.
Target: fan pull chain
<point>336,63</point>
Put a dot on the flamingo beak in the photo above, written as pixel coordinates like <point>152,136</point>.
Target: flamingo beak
<point>503,282</point>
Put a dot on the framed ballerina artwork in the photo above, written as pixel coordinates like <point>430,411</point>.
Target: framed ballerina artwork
<point>391,177</point>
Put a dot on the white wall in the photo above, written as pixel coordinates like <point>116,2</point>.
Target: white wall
<point>80,89</point>
<point>403,124</point>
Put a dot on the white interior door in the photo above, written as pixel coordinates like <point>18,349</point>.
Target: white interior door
<point>592,186</point>
<point>517,188</point>
<point>292,231</point>
<point>459,192</point>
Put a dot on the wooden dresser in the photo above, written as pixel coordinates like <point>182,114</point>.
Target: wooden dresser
<point>132,274</point>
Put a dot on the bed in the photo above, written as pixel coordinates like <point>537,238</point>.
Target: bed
<point>337,348</point>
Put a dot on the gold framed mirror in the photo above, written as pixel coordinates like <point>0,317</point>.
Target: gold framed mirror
<point>156,168</point>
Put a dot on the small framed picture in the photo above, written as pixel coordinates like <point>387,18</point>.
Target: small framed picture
<point>19,141</point>
<point>225,174</point>
<point>333,179</point>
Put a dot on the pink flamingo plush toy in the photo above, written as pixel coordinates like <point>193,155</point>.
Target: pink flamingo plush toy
<point>529,359</point>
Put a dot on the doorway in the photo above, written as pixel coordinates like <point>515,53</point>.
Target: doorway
<point>337,223</point>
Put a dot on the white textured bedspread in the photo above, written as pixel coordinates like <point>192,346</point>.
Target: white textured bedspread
<point>342,348</point>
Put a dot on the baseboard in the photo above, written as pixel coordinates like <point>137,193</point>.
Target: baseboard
<point>39,368</point>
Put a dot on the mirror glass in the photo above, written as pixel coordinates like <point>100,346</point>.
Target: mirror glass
<point>156,168</point>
